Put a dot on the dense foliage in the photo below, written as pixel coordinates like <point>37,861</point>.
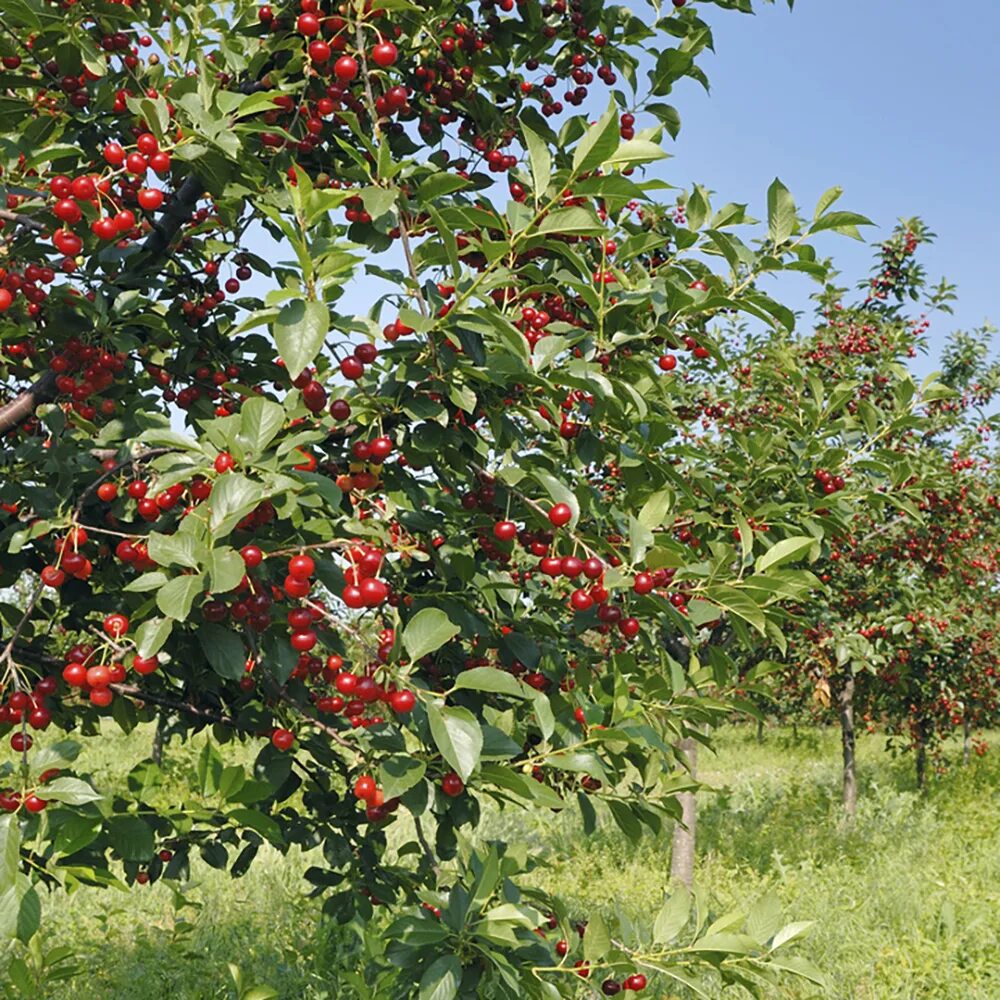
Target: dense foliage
<point>501,540</point>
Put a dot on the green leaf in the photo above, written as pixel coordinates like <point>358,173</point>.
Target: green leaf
<point>429,629</point>
<point>260,421</point>
<point>225,568</point>
<point>233,497</point>
<point>781,218</point>
<point>597,143</point>
<point>442,979</point>
<point>224,650</point>
<point>827,199</point>
<point>764,918</point>
<point>596,938</point>
<point>673,916</point>
<point>655,509</point>
<point>540,159</point>
<point>71,791</point>
<point>785,551</point>
<point>151,635</point>
<point>10,851</point>
<point>131,838</point>
<point>175,598</point>
<point>491,679</point>
<point>739,604</point>
<point>179,549</point>
<point>843,222</point>
<point>400,774</point>
<point>790,932</point>
<point>575,221</point>
<point>300,331</point>
<point>634,151</point>
<point>459,737</point>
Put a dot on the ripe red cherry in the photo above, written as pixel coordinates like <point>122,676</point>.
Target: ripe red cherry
<point>145,664</point>
<point>302,642</point>
<point>301,567</point>
<point>643,583</point>
<point>561,514</point>
<point>224,462</point>
<point>402,702</point>
<point>319,51</point>
<point>506,531</point>
<point>340,409</point>
<point>282,739</point>
<point>307,24</point>
<point>581,600</point>
<point>20,742</point>
<point>373,592</point>
<point>384,54</point>
<point>637,982</point>
<point>68,211</point>
<point>52,576</point>
<point>116,625</point>
<point>107,492</point>
<point>365,788</point>
<point>150,199</point>
<point>346,683</point>
<point>34,804</point>
<point>114,155</point>
<point>452,785</point>
<point>99,676</point>
<point>345,68</point>
<point>352,368</point>
<point>5,299</point>
<point>667,362</point>
<point>252,556</point>
<point>629,627</point>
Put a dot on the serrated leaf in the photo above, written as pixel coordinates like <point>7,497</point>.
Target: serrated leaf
<point>300,331</point>
<point>223,649</point>
<point>151,635</point>
<point>179,549</point>
<point>597,143</point>
<point>738,603</point>
<point>174,599</point>
<point>233,497</point>
<point>491,679</point>
<point>764,918</point>
<point>225,570</point>
<point>780,212</point>
<point>596,938</point>
<point>673,916</point>
<point>71,791</point>
<point>400,774</point>
<point>785,551</point>
<point>635,151</point>
<point>429,629</point>
<point>260,422</point>
<point>442,979</point>
<point>655,509</point>
<point>539,158</point>
<point>458,736</point>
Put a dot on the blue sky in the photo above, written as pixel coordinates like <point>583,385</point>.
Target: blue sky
<point>895,100</point>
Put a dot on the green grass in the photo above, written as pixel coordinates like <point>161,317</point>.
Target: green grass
<point>906,899</point>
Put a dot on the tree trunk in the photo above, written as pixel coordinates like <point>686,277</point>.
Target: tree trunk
<point>157,750</point>
<point>921,757</point>
<point>682,848</point>
<point>966,741</point>
<point>845,709</point>
<point>760,730</point>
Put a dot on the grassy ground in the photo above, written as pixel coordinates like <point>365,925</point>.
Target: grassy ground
<point>907,899</point>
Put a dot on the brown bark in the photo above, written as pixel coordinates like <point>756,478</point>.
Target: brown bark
<point>682,851</point>
<point>845,710</point>
<point>966,741</point>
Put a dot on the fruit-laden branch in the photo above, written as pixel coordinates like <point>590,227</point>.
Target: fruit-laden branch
<point>21,220</point>
<point>156,244</point>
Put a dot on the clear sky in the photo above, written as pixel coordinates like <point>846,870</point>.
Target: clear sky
<point>895,100</point>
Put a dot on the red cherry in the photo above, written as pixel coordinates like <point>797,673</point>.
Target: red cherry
<point>505,531</point>
<point>345,68</point>
<point>107,492</point>
<point>402,702</point>
<point>150,199</point>
<point>116,625</point>
<point>319,51</point>
<point>365,788</point>
<point>224,462</point>
<point>301,567</point>
<point>307,24</point>
<point>282,739</point>
<point>52,576</point>
<point>34,804</point>
<point>145,664</point>
<point>252,556</point>
<point>452,785</point>
<point>21,742</point>
<point>384,54</point>
<point>667,362</point>
<point>561,514</point>
<point>352,368</point>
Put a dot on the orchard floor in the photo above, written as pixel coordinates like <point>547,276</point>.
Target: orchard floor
<point>907,900</point>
